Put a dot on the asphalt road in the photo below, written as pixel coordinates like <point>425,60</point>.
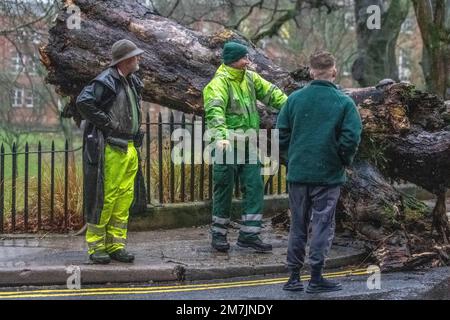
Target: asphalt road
<point>428,284</point>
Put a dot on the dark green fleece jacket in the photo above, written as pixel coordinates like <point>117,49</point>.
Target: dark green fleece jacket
<point>320,129</point>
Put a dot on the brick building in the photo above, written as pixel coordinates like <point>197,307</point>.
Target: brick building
<point>26,101</point>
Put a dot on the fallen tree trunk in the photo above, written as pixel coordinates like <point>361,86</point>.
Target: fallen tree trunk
<point>178,62</point>
<point>396,227</point>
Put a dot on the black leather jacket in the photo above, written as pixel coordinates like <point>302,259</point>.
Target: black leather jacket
<point>104,105</point>
<point>104,102</point>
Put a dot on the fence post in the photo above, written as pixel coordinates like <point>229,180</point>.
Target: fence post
<point>52,183</point>
<point>2,186</point>
<point>202,168</point>
<point>192,185</point>
<point>271,184</point>
<point>279,179</point>
<point>25,212</point>
<point>66,184</point>
<point>13,195</point>
<point>147,156</point>
<point>285,180</point>
<point>183,180</point>
<point>172,167</point>
<point>39,213</point>
<point>160,159</point>
<point>210,184</point>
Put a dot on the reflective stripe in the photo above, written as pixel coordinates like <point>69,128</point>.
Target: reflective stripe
<point>217,121</point>
<point>95,244</point>
<point>118,224</point>
<point>250,229</point>
<point>219,230</point>
<point>111,239</point>
<point>266,99</point>
<point>218,220</point>
<point>96,229</point>
<point>233,105</point>
<point>214,103</point>
<point>252,217</point>
<point>119,240</point>
<point>250,83</point>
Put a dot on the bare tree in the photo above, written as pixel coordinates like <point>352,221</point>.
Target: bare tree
<point>22,15</point>
<point>434,21</point>
<point>315,29</point>
<point>256,19</point>
<point>24,28</point>
<point>377,48</point>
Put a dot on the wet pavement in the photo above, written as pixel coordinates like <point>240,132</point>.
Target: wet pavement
<point>186,252</point>
<point>188,246</point>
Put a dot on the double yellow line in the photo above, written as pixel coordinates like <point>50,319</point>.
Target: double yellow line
<point>59,293</point>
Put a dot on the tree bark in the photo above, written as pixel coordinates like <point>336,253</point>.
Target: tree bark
<point>178,62</point>
<point>432,18</point>
<point>376,48</point>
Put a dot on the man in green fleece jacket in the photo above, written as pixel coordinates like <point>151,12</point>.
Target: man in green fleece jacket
<point>320,128</point>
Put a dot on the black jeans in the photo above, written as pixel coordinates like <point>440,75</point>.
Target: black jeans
<point>313,206</point>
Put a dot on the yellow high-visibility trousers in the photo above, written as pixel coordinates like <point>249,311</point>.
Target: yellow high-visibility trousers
<point>120,170</point>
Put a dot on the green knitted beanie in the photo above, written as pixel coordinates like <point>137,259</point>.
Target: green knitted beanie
<point>233,51</point>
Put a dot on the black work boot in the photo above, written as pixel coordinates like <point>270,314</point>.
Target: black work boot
<point>294,283</point>
<point>256,244</point>
<point>323,285</point>
<point>100,257</point>
<point>122,255</point>
<point>220,243</point>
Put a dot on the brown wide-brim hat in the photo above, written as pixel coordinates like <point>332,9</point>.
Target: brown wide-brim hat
<point>124,49</point>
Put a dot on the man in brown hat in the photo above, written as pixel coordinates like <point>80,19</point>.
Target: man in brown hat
<point>110,104</point>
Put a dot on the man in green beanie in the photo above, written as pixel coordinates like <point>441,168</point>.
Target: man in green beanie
<point>230,104</point>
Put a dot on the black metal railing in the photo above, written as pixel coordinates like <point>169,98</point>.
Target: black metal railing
<point>54,186</point>
<point>195,180</point>
<point>20,201</point>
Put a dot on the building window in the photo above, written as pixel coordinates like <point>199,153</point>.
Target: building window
<point>17,97</point>
<point>29,37</point>
<point>16,63</point>
<point>29,99</point>
<point>21,62</point>
<point>31,66</point>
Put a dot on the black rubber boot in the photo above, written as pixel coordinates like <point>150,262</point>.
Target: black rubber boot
<point>323,285</point>
<point>122,255</point>
<point>294,283</point>
<point>257,244</point>
<point>100,257</point>
<point>220,243</point>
